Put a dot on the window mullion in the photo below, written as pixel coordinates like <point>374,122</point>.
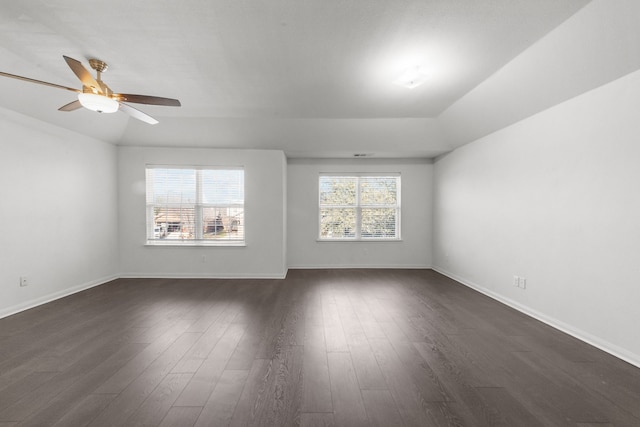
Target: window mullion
<point>198,206</point>
<point>358,211</point>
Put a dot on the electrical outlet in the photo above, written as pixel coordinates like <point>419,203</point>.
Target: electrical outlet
<point>523,283</point>
<point>516,281</point>
<point>23,281</point>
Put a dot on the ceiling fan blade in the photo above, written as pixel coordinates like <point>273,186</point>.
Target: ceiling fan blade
<point>146,99</point>
<point>74,105</point>
<point>85,76</point>
<point>137,114</point>
<point>40,82</point>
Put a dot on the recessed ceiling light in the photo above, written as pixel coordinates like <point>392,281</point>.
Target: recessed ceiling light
<point>413,77</point>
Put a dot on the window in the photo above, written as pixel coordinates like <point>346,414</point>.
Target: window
<point>195,205</point>
<point>358,207</point>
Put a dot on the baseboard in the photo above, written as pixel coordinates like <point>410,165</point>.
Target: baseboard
<point>5,312</point>
<point>202,276</point>
<point>614,350</point>
<point>595,341</point>
<point>361,266</point>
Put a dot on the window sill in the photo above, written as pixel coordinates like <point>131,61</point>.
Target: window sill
<point>358,240</point>
<point>193,244</point>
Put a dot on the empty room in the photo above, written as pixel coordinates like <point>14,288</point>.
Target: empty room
<point>320,213</point>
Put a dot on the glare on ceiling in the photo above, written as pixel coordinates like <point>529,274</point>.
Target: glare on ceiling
<point>412,77</point>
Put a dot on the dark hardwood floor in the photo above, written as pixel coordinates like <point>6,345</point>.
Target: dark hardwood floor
<point>320,348</point>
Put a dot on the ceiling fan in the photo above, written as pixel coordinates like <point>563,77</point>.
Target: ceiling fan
<point>97,96</point>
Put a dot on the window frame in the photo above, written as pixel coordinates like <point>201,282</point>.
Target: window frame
<point>359,207</point>
<point>198,206</point>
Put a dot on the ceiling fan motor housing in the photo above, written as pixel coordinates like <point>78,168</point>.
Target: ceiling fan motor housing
<point>98,65</point>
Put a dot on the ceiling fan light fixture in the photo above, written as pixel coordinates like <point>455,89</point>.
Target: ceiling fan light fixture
<point>413,77</point>
<point>99,103</point>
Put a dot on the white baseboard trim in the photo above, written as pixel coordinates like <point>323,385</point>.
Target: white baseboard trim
<point>8,311</point>
<point>604,345</point>
<point>5,312</point>
<point>202,276</point>
<point>361,266</point>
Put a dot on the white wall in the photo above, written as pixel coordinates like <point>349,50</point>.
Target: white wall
<point>332,136</point>
<point>58,210</point>
<point>554,198</point>
<point>414,251</point>
<point>597,45</point>
<point>265,203</point>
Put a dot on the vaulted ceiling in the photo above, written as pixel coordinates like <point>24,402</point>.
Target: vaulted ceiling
<point>310,77</point>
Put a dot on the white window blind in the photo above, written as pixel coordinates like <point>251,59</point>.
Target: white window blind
<point>354,207</point>
<point>195,205</point>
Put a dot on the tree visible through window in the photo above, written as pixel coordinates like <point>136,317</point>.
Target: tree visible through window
<point>359,207</point>
<point>195,205</point>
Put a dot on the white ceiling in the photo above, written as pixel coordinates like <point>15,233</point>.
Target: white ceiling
<point>310,77</point>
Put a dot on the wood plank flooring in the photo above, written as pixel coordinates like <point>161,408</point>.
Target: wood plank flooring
<point>320,348</point>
